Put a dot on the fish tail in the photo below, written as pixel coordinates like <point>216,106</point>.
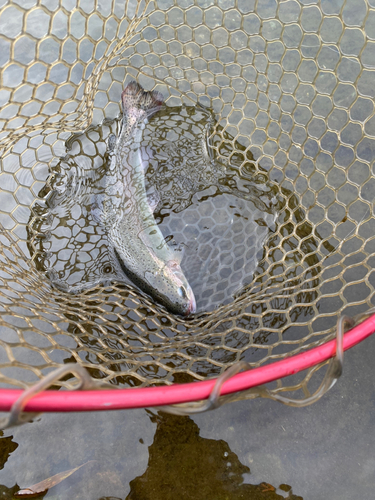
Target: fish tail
<point>135,96</point>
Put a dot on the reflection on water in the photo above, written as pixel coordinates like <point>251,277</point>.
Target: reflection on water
<point>7,446</point>
<point>182,464</point>
<point>8,493</point>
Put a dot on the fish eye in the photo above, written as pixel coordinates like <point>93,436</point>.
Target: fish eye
<point>182,292</point>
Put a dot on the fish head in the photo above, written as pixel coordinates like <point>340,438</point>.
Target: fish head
<point>170,287</point>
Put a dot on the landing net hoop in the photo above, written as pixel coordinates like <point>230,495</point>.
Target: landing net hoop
<point>120,399</point>
<point>300,99</point>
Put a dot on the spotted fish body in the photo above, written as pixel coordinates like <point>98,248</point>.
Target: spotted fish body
<point>138,243</point>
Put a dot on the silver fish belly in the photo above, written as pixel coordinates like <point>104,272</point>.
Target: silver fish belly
<point>138,243</point>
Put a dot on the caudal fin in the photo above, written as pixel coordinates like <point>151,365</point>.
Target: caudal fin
<point>134,96</point>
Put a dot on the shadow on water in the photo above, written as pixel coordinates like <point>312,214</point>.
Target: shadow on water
<point>7,447</point>
<point>182,464</point>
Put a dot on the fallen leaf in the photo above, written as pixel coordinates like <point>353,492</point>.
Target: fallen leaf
<point>39,488</point>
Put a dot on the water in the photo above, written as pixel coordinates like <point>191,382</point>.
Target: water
<point>217,215</point>
<point>297,86</point>
<point>321,452</point>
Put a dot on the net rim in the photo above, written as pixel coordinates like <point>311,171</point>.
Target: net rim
<point>132,398</point>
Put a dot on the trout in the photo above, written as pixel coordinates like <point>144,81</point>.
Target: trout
<point>143,254</point>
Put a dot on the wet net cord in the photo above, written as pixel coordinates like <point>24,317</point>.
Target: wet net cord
<point>86,383</point>
<point>288,116</point>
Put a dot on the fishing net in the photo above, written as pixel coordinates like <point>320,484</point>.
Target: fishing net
<point>276,222</point>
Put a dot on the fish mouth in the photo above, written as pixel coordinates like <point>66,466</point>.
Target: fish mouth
<point>192,306</point>
<point>189,304</point>
<point>181,307</point>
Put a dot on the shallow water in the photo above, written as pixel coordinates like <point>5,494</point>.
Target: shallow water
<point>277,90</point>
<point>217,215</point>
<point>307,73</point>
<point>321,452</point>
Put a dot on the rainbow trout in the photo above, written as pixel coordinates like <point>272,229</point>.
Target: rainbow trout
<point>138,243</point>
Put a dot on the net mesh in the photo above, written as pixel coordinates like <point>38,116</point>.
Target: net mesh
<point>291,88</point>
